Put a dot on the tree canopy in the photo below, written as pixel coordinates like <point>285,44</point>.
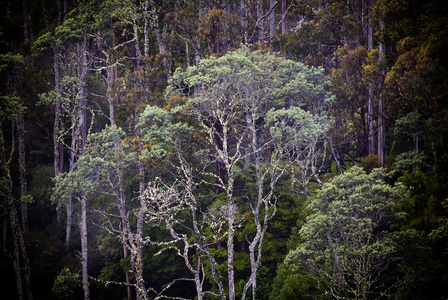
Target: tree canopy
<point>224,149</point>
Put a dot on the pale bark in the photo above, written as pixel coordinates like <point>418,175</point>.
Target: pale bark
<point>57,147</point>
<point>204,246</point>
<point>155,25</point>
<point>82,104</point>
<point>79,123</point>
<point>230,240</point>
<point>150,8</point>
<point>145,29</point>
<point>260,209</point>
<point>283,12</point>
<point>243,24</point>
<point>137,253</point>
<point>256,242</point>
<point>227,114</point>
<point>261,21</point>
<point>197,43</point>
<point>84,248</point>
<point>121,197</point>
<point>124,222</point>
<point>137,53</point>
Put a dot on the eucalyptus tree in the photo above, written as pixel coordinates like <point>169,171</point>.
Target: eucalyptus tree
<point>98,170</point>
<point>226,102</point>
<point>347,245</point>
<point>71,62</point>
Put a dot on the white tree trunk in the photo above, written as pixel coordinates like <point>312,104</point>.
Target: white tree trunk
<point>84,248</point>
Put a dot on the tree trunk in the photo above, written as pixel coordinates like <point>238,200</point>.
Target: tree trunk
<point>138,242</point>
<point>121,199</point>
<point>261,22</point>
<point>84,248</point>
<point>26,21</point>
<point>160,38</point>
<point>271,23</point>
<point>57,149</point>
<point>22,167</point>
<point>283,13</point>
<point>381,120</point>
<point>268,133</point>
<point>243,24</point>
<point>79,124</point>
<point>208,255</point>
<point>16,265</point>
<point>197,50</point>
<point>230,250</point>
<point>62,11</point>
<point>255,256</point>
<point>19,243</point>
<point>230,214</point>
<point>137,53</point>
<point>82,105</point>
<point>370,107</point>
<point>145,29</point>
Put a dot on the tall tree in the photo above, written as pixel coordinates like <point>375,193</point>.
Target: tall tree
<point>346,240</point>
<point>228,105</point>
<point>12,112</point>
<point>9,110</point>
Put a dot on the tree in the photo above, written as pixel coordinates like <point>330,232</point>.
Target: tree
<point>346,241</point>
<point>9,110</point>
<point>84,179</point>
<point>12,112</point>
<point>227,99</point>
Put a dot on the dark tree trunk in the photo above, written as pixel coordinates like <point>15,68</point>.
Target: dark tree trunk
<point>22,167</point>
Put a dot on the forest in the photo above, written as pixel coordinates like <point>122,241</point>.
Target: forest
<point>224,149</point>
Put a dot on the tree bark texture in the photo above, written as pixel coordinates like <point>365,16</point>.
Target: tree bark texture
<point>17,233</point>
<point>84,248</point>
<point>22,167</point>
<point>381,120</point>
<point>138,242</point>
<point>370,107</point>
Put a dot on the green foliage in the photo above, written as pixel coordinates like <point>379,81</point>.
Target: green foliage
<point>66,285</point>
<point>289,102</point>
<point>97,160</point>
<point>293,284</point>
<point>159,130</point>
<point>370,162</point>
<point>297,126</point>
<point>263,287</point>
<point>421,213</point>
<point>43,43</point>
<point>26,199</point>
<point>406,160</point>
<point>348,227</point>
<point>11,62</point>
<point>246,74</point>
